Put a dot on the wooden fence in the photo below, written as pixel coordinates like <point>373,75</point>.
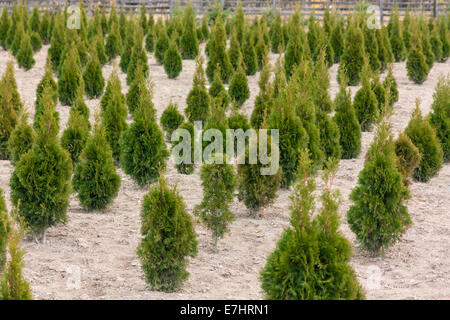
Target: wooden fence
<point>251,7</point>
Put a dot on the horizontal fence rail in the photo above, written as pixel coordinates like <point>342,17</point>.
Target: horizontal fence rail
<point>250,7</point>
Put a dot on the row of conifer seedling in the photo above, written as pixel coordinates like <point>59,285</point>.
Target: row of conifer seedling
<point>296,102</point>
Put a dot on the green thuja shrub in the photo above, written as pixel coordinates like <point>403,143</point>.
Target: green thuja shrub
<point>264,100</point>
<point>261,51</point>
<point>445,38</point>
<point>391,83</point>
<point>436,43</point>
<point>113,45</point>
<point>347,121</point>
<point>127,46</point>
<point>143,152</point>
<point>424,137</point>
<point>218,54</point>
<point>296,51</point>
<point>352,59</point>
<point>4,231</point>
<point>406,31</point>
<point>237,121</point>
<point>238,90</point>
<point>396,36</point>
<point>36,42</point>
<point>276,34</point>
<point>256,188</point>
<point>365,102</point>
<point>171,119</point>
<point>19,35</point>
<point>76,134</point>
<point>292,136</point>
<point>329,136</point>
<point>13,286</point>
<point>185,155</point>
<point>371,48</point>
<point>113,85</point>
<point>95,179</point>
<point>205,27</point>
<point>44,27</point>
<point>380,92</point>
<point>162,44</point>
<point>138,57</point>
<point>8,120</point>
<point>416,65</point>
<point>291,271</point>
<point>5,24</point>
<point>408,157</point>
<point>198,99</point>
<point>25,54</point>
<point>379,214</point>
<point>21,139</point>
<point>114,116</point>
<point>70,79</point>
<point>218,182</point>
<point>426,45</point>
<point>172,61</point>
<point>217,90</point>
<point>234,51</point>
<point>168,238</point>
<point>337,39</point>
<point>57,42</point>
<point>94,82</point>
<point>440,115</point>
<point>320,84</point>
<point>150,41</point>
<point>189,41</point>
<point>249,56</point>
<point>40,182</point>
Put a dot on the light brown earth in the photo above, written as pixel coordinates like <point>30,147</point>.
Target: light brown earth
<point>103,245</point>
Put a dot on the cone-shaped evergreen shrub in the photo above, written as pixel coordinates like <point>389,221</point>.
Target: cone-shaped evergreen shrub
<point>70,79</point>
<point>379,214</point>
<point>127,46</point>
<point>352,59</point>
<point>150,41</point>
<point>205,27</point>
<point>416,65</point>
<point>76,134</point>
<point>95,179</point>
<point>171,119</point>
<point>162,44</point>
<point>296,51</point>
<point>93,77</point>
<point>143,152</point>
<point>329,136</point>
<point>391,83</point>
<point>5,23</point>
<point>349,128</point>
<point>321,84</point>
<point>238,90</point>
<point>276,34</point>
<point>172,61</point>
<point>21,139</point>
<point>189,41</point>
<point>13,286</point>
<point>249,56</point>
<point>40,183</point>
<point>198,98</point>
<point>234,51</point>
<point>445,38</point>
<point>113,85</point>
<point>396,36</point>
<point>58,42</point>
<point>218,182</point>
<point>185,167</point>
<point>337,39</point>
<point>440,117</point>
<point>217,90</point>
<point>264,101</point>
<point>138,57</point>
<point>36,42</point>
<point>424,137</point>
<point>257,190</point>
<point>366,103</point>
<point>114,116</point>
<point>292,136</point>
<point>113,42</point>
<point>371,48</point>
<point>168,238</point>
<point>408,157</point>
<point>291,271</point>
<point>380,92</point>
<point>137,90</point>
<point>8,82</point>
<point>436,43</point>
<point>4,231</point>
<point>218,54</point>
<point>8,120</point>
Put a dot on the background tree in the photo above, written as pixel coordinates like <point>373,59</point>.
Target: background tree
<point>168,238</point>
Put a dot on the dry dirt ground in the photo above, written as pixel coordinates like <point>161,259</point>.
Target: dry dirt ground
<point>102,246</point>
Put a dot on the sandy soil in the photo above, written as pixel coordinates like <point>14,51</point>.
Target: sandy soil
<point>102,246</point>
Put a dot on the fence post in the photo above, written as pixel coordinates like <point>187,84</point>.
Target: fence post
<point>381,12</point>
